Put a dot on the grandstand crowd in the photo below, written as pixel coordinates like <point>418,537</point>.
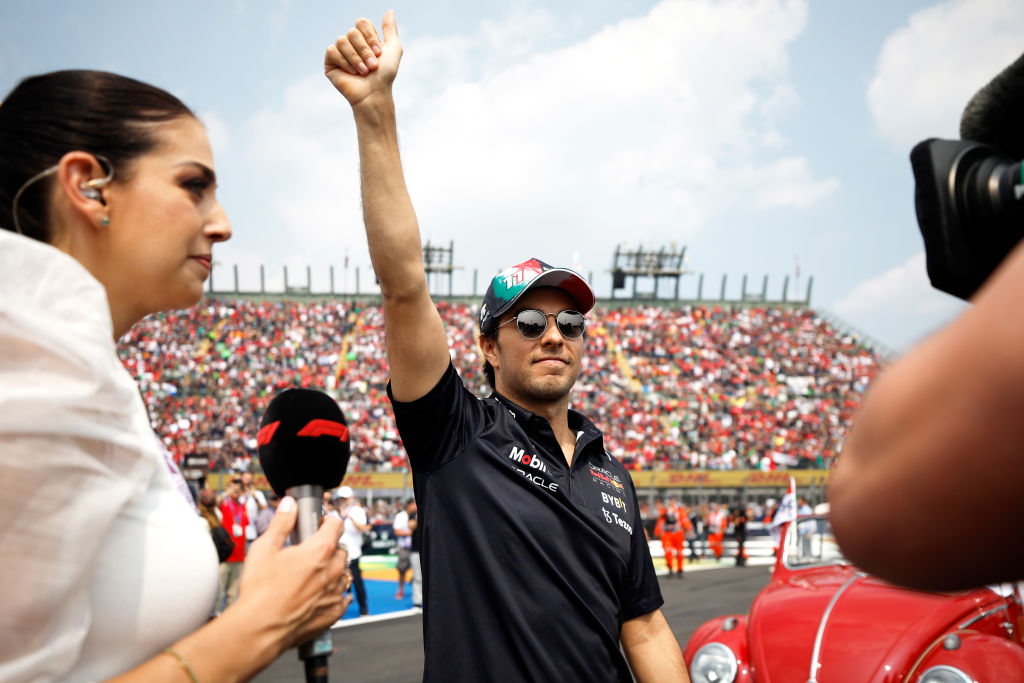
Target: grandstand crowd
<point>680,387</point>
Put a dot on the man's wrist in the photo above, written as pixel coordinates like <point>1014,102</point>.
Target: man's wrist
<point>376,108</point>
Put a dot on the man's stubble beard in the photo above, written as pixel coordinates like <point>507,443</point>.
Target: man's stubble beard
<point>540,389</point>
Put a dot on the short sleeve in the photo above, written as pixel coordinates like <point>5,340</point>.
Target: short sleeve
<point>401,522</point>
<point>436,427</point>
<point>358,514</point>
<point>643,593</point>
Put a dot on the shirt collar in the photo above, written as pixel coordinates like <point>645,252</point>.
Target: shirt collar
<point>585,430</point>
<point>521,414</point>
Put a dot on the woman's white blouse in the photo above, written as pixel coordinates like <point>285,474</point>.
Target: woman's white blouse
<point>102,562</point>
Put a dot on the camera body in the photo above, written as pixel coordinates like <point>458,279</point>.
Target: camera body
<point>969,192</point>
<point>970,208</point>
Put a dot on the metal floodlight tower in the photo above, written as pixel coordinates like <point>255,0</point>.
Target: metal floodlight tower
<point>665,262</point>
<point>439,260</point>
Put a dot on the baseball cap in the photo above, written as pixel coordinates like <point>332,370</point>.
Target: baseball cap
<point>345,492</point>
<point>511,283</point>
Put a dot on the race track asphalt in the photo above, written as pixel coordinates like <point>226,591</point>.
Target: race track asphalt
<point>390,650</point>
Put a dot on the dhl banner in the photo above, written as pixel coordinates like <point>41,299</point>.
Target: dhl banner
<point>357,480</point>
<point>672,479</point>
<point>726,479</point>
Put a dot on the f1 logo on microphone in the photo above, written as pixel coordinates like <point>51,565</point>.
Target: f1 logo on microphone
<point>266,434</point>
<point>322,427</point>
<point>318,427</point>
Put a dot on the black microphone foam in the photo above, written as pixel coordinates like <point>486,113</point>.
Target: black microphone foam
<point>993,116</point>
<point>303,440</point>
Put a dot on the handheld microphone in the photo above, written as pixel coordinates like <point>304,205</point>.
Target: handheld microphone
<point>304,450</point>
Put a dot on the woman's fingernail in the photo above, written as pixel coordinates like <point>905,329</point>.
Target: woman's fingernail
<point>371,62</point>
<point>287,504</point>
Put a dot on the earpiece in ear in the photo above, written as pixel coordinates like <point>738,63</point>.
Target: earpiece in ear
<point>90,189</point>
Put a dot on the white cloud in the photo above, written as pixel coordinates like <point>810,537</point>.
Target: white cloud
<point>900,298</point>
<point>475,57</point>
<point>788,182</point>
<point>643,128</point>
<point>930,68</point>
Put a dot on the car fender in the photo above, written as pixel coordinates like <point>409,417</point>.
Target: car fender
<point>983,656</point>
<point>731,631</point>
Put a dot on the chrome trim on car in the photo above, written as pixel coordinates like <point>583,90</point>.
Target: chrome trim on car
<point>987,613</point>
<point>814,565</point>
<point>824,620</point>
<point>790,541</point>
<point>926,677</point>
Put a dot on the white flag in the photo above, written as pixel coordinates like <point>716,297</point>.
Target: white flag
<point>786,512</point>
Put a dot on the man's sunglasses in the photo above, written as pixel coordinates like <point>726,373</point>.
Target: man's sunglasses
<point>533,323</point>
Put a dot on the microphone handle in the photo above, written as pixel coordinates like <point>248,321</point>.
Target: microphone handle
<point>311,510</point>
<point>313,653</point>
<point>316,668</point>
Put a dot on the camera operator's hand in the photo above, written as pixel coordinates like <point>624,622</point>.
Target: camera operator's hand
<point>364,62</point>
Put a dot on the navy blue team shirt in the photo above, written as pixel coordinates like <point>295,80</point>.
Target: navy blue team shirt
<point>529,566</point>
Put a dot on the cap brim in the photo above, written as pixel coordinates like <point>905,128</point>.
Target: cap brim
<point>571,283</point>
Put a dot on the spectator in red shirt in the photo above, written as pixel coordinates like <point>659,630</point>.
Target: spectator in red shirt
<point>235,520</point>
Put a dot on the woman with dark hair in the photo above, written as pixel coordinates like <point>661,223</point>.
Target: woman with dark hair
<point>107,197</point>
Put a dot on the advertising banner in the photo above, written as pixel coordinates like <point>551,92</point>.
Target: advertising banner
<point>642,479</point>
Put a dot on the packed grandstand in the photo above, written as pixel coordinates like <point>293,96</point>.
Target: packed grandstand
<point>673,387</point>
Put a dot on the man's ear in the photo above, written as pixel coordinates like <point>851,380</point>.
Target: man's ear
<point>81,179</point>
<point>489,347</point>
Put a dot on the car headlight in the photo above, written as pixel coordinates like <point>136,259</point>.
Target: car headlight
<point>944,674</point>
<point>716,663</point>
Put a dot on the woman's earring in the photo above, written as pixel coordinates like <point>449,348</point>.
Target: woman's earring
<point>105,221</point>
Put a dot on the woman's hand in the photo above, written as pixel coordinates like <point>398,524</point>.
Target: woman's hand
<point>287,596</point>
<point>299,589</point>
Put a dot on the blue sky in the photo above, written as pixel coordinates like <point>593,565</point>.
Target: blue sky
<point>755,132</point>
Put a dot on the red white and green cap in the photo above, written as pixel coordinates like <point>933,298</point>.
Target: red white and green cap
<point>511,283</point>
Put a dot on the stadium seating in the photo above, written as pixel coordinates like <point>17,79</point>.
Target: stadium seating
<point>672,387</point>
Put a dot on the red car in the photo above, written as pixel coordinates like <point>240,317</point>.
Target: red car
<point>822,620</point>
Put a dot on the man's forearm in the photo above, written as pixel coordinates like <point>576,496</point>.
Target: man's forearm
<point>652,650</point>
<point>392,231</point>
<point>362,65</point>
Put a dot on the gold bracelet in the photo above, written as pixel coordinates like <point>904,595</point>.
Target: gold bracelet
<point>184,665</point>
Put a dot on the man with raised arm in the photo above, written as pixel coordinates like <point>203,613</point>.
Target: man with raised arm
<point>535,565</point>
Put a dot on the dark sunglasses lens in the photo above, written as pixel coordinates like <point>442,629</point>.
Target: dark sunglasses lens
<point>571,324</point>
<point>531,323</point>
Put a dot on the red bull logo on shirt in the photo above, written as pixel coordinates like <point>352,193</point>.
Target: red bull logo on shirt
<point>606,477</point>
